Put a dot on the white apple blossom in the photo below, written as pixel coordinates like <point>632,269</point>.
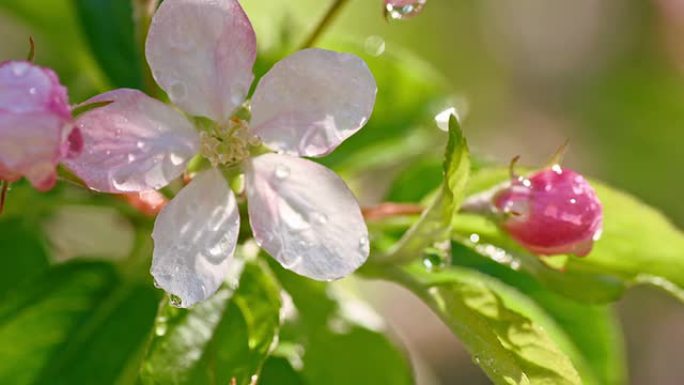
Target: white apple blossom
<point>201,53</point>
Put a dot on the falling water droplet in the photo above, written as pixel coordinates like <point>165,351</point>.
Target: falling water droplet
<point>282,172</point>
<point>175,300</point>
<point>403,9</point>
<point>375,45</point>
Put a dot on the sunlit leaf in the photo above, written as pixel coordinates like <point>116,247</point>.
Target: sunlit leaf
<point>337,350</point>
<point>490,319</point>
<point>590,334</point>
<point>436,220</point>
<point>225,338</point>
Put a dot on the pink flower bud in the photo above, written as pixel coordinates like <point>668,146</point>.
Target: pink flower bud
<point>555,211</point>
<point>36,127</point>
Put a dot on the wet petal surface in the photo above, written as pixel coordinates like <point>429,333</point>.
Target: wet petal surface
<point>311,101</point>
<point>194,239</point>
<point>136,143</point>
<point>305,217</point>
<point>202,53</point>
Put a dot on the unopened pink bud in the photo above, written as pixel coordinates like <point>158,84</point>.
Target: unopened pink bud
<point>36,126</point>
<point>554,211</point>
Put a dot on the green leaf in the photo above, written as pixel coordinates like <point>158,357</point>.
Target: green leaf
<point>76,324</point>
<point>489,318</point>
<point>590,334</point>
<point>337,350</point>
<point>434,224</point>
<point>109,28</point>
<point>225,338</point>
<point>456,168</point>
<point>23,254</point>
<point>639,245</point>
<point>279,371</point>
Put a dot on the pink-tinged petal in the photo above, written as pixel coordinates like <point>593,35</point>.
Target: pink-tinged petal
<point>311,101</point>
<point>202,53</point>
<point>305,217</point>
<point>35,123</point>
<point>194,239</point>
<point>28,88</point>
<point>135,143</point>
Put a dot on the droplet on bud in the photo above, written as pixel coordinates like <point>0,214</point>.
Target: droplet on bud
<point>403,9</point>
<point>554,211</point>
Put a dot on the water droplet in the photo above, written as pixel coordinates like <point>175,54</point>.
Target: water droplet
<point>403,9</point>
<point>160,328</point>
<point>319,218</point>
<point>474,238</point>
<point>140,144</point>
<point>131,158</point>
<point>177,91</point>
<point>175,159</point>
<point>282,171</point>
<point>363,245</point>
<point>433,262</point>
<point>375,45</point>
<point>175,300</point>
<point>33,90</point>
<point>442,118</point>
<point>437,256</point>
<point>108,152</point>
<point>20,69</point>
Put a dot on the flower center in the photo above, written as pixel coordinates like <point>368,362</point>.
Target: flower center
<point>228,145</point>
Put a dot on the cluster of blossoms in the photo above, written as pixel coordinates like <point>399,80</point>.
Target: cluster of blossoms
<point>201,52</point>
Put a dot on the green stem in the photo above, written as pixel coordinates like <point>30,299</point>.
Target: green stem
<point>323,25</point>
<point>4,186</point>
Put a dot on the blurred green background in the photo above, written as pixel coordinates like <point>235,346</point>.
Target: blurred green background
<point>526,75</point>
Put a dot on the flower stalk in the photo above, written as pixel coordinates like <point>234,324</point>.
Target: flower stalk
<point>325,22</point>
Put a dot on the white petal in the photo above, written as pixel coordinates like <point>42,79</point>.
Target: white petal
<point>313,100</point>
<point>202,53</point>
<point>305,216</point>
<point>136,143</point>
<point>194,239</point>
